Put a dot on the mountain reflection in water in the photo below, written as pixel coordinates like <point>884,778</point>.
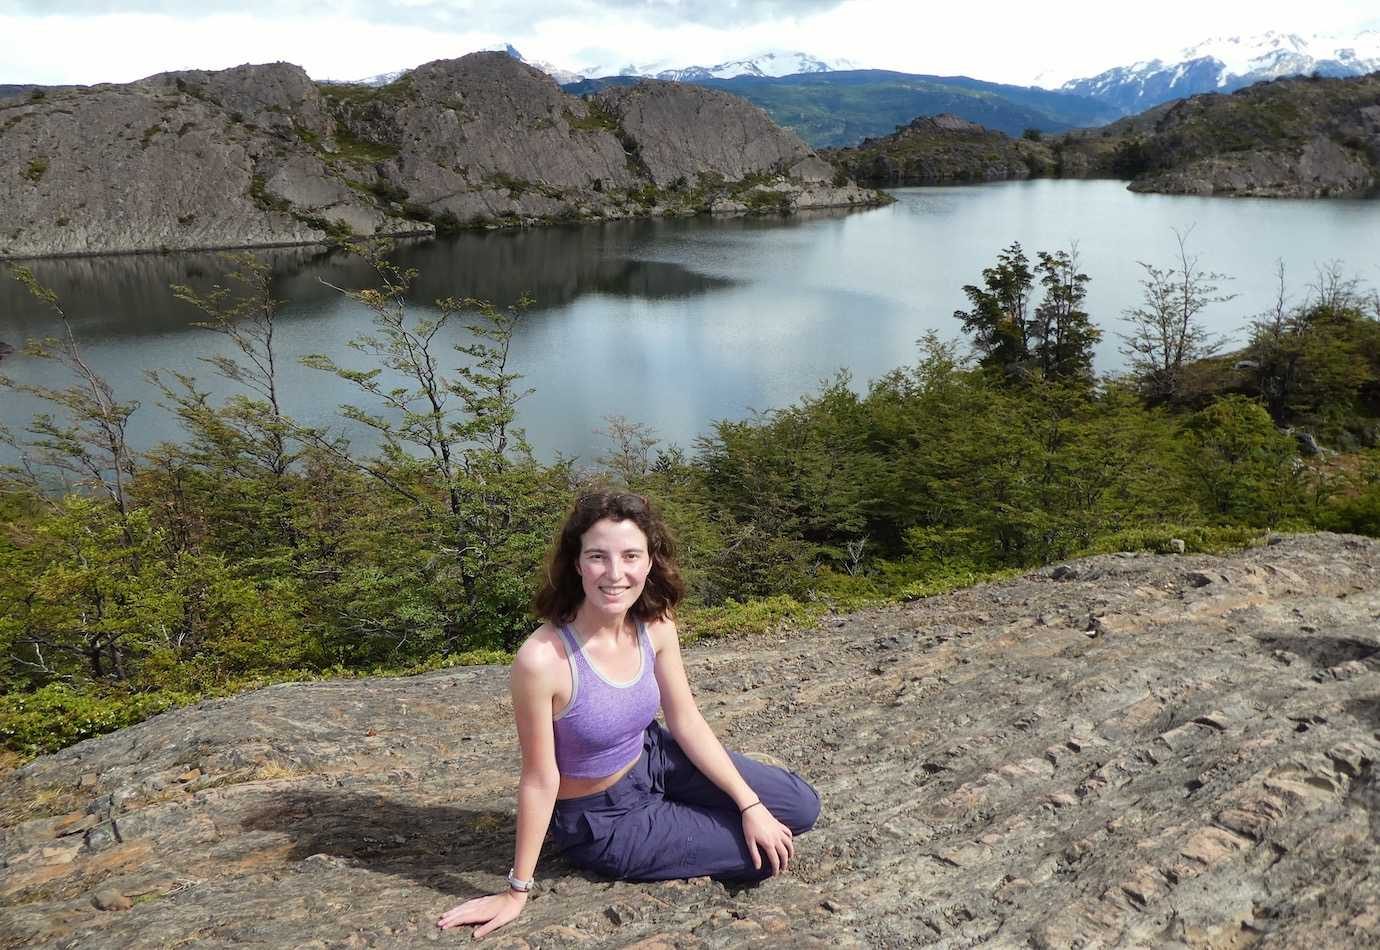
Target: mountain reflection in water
<point>676,323</point>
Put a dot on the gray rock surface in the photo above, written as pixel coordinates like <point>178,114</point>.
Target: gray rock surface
<point>675,122</point>
<point>261,155</point>
<point>1119,751</point>
<point>1320,168</point>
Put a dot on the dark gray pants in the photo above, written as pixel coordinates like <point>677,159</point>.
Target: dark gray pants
<point>665,820</point>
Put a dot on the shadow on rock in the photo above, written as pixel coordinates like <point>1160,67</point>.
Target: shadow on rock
<point>1323,652</point>
<point>435,845</point>
<point>1366,709</point>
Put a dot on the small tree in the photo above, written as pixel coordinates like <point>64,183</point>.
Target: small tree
<point>1311,359</point>
<point>89,441</point>
<point>999,321</point>
<point>629,456</point>
<point>100,547</point>
<point>480,504</point>
<point>252,425</point>
<point>1062,334</point>
<point>1167,329</point>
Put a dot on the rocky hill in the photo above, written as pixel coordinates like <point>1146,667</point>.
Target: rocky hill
<point>940,150</point>
<point>1291,138</point>
<point>1122,751</point>
<point>261,155</point>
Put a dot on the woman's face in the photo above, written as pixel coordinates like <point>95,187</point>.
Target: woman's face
<point>613,565</point>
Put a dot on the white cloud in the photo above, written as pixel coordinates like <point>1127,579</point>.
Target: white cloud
<point>87,41</point>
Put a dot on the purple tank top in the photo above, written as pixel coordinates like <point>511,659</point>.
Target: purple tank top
<point>600,730</point>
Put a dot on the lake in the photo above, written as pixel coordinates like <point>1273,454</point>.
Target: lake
<point>676,323</point>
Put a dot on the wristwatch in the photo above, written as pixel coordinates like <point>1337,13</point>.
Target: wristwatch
<point>517,883</point>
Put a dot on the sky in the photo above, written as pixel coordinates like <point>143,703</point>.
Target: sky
<point>90,41</point>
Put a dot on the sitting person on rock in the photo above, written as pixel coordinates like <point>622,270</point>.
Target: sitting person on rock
<point>622,795</point>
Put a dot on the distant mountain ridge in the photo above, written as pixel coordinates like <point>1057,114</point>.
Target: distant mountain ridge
<point>1225,64</point>
<point>773,64</point>
<point>838,108</point>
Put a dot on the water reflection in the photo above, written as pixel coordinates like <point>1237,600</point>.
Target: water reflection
<point>679,322</point>
<point>130,296</point>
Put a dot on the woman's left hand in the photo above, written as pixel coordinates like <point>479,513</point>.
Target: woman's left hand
<point>767,836</point>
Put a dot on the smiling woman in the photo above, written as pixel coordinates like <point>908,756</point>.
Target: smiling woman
<point>622,795</point>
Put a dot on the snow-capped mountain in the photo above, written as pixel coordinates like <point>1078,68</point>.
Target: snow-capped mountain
<point>776,63</point>
<point>773,63</point>
<point>1224,64</point>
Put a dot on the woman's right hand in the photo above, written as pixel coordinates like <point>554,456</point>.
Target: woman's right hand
<point>490,912</point>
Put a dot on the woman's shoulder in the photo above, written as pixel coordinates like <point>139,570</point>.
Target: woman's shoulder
<point>662,632</point>
<point>541,654</point>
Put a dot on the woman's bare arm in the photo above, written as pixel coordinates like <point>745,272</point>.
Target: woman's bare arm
<point>683,718</point>
<point>532,686</point>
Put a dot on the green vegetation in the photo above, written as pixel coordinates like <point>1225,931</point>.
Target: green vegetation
<point>256,549</point>
<point>403,89</point>
<point>767,201</point>
<point>596,119</point>
<point>258,191</point>
<point>1055,340</point>
<point>36,169</point>
<point>364,151</point>
<point>338,231</point>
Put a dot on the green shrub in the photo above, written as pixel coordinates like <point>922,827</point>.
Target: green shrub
<point>768,615</point>
<point>57,715</point>
<point>1197,539</point>
<point>36,169</point>
<point>595,119</point>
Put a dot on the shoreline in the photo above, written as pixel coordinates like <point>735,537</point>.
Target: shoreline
<point>495,225</point>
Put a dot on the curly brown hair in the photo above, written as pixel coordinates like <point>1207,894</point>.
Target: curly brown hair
<point>562,592</point>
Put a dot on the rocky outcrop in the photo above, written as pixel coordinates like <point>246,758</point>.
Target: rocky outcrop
<point>943,149</point>
<point>1122,751</point>
<point>1320,168</point>
<point>1291,138</point>
<point>179,160</point>
<point>672,130</point>
<point>261,155</point>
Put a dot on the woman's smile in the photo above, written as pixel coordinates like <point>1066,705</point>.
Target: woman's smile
<point>613,563</point>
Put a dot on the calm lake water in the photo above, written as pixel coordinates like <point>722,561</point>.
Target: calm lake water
<point>678,323</point>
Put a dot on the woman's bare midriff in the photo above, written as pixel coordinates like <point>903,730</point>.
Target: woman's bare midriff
<point>577,787</point>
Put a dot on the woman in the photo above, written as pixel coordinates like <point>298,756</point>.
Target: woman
<point>629,798</point>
